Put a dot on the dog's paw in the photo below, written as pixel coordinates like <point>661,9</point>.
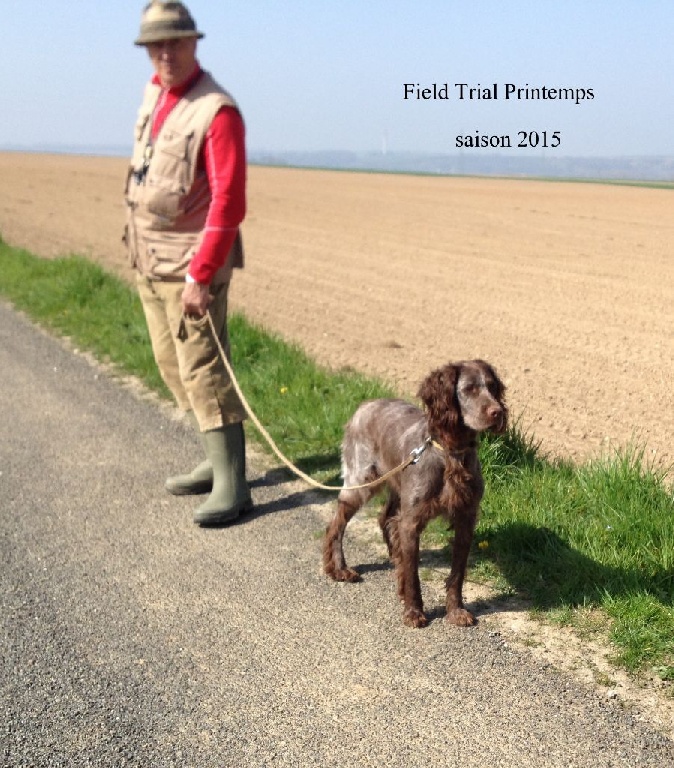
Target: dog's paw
<point>460,617</point>
<point>414,618</point>
<point>344,574</point>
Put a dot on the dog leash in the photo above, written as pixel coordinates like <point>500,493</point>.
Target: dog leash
<point>413,457</point>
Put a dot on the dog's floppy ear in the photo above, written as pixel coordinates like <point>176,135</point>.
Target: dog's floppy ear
<point>438,394</point>
<point>438,387</point>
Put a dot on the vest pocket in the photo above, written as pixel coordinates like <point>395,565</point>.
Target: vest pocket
<point>165,259</point>
<point>172,156</point>
<point>174,143</point>
<point>164,198</point>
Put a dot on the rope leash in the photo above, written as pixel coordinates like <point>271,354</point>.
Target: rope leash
<point>413,458</point>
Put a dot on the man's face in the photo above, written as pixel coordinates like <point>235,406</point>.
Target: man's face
<point>173,60</point>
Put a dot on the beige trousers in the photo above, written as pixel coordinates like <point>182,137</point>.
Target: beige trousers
<point>189,361</point>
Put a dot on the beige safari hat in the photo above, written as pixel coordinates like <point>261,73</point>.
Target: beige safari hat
<point>166,21</point>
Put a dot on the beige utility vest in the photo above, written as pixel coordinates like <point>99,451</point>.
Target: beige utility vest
<point>167,204</point>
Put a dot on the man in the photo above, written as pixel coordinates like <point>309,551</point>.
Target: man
<point>185,198</point>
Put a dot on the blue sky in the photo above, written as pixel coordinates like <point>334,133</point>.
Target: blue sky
<point>330,75</point>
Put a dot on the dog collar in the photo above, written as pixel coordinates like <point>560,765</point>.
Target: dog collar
<point>416,453</point>
<point>453,452</point>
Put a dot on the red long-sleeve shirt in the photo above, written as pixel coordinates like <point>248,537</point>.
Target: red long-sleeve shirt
<point>223,156</point>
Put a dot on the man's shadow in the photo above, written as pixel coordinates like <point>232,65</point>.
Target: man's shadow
<point>322,465</point>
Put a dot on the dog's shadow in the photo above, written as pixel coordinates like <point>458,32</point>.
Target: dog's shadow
<point>542,568</point>
<point>542,571</point>
<point>365,568</point>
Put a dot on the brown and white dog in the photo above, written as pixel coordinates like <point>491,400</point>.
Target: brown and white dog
<point>460,400</point>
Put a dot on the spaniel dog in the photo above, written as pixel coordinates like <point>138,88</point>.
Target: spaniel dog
<point>460,400</point>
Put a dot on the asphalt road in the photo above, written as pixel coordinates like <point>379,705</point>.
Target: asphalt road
<point>131,637</point>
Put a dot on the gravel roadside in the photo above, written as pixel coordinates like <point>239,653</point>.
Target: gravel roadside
<point>130,637</point>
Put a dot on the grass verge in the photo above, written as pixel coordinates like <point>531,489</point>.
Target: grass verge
<point>596,539</point>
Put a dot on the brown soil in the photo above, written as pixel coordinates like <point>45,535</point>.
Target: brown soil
<point>568,289</point>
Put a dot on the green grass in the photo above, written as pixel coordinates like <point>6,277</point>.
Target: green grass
<point>303,406</point>
<point>589,546</point>
<point>80,300</point>
<point>574,539</point>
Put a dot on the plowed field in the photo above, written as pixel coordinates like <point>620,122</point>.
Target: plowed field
<point>567,288</point>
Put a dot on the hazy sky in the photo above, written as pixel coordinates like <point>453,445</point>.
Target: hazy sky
<point>322,74</point>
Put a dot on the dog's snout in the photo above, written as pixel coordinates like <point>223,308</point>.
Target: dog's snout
<point>497,417</point>
<point>494,412</point>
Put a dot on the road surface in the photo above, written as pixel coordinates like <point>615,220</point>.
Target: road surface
<point>131,637</point>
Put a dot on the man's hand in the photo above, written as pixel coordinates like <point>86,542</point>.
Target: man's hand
<point>195,299</point>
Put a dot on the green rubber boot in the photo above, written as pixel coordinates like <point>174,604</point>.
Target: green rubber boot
<point>230,496</point>
<point>200,479</point>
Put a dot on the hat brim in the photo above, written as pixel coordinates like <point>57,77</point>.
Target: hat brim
<point>155,37</point>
